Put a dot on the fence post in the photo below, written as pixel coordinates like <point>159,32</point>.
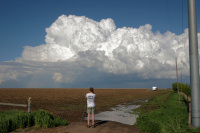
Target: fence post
<point>29,104</point>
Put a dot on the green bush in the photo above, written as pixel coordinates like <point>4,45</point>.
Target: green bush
<point>42,118</point>
<point>185,88</point>
<point>174,86</point>
<point>12,120</point>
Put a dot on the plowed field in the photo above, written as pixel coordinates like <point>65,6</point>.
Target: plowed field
<point>69,104</point>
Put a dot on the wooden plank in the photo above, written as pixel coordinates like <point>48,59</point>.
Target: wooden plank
<point>187,98</point>
<point>12,104</point>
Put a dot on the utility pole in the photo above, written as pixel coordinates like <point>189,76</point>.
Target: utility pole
<point>177,81</point>
<point>194,63</point>
<point>181,88</point>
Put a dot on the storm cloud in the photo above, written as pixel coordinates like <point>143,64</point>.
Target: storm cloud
<point>80,52</point>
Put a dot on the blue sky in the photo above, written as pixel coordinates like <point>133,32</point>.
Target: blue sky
<point>24,22</point>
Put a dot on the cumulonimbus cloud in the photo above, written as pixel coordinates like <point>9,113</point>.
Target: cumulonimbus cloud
<point>84,44</point>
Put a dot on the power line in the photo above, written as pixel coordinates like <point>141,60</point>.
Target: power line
<point>168,14</point>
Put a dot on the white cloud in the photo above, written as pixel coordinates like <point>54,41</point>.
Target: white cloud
<point>57,77</point>
<point>78,46</point>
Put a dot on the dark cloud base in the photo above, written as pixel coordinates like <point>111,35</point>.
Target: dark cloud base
<point>107,81</point>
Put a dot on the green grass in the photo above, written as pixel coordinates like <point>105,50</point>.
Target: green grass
<point>12,120</point>
<point>170,117</point>
<point>153,103</point>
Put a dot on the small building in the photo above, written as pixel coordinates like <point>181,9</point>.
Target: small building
<point>154,88</point>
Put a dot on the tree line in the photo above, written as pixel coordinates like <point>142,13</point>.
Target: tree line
<point>185,88</point>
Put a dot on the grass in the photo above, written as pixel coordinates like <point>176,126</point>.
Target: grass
<point>169,117</point>
<point>12,120</point>
<point>153,103</point>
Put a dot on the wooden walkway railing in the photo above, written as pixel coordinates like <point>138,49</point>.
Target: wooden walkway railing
<point>20,105</point>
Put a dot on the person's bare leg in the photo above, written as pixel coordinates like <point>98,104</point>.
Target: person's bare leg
<point>88,119</point>
<point>93,119</point>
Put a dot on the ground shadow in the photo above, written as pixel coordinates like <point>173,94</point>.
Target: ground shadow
<point>100,123</point>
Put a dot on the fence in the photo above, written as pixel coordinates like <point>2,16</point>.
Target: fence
<point>188,99</point>
<point>20,105</point>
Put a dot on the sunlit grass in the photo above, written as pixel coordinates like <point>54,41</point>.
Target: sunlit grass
<point>169,117</point>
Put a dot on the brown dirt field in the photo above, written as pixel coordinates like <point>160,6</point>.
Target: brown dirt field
<point>69,104</point>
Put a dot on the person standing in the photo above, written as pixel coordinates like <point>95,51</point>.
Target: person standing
<point>90,106</point>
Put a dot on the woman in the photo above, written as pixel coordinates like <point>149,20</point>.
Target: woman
<point>90,106</point>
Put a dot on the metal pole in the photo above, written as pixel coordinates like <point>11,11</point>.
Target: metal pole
<point>194,64</point>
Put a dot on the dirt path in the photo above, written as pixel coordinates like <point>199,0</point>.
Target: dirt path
<point>80,127</point>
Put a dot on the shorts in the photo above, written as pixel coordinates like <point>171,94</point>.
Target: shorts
<point>90,110</point>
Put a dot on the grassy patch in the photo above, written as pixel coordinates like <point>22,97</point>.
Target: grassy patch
<point>12,120</point>
<point>170,117</point>
<point>153,103</point>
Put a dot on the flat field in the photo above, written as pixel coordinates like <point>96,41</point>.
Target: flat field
<point>69,104</point>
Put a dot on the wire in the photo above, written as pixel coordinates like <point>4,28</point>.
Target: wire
<point>182,17</point>
<point>184,43</point>
<point>182,35</point>
<point>168,14</point>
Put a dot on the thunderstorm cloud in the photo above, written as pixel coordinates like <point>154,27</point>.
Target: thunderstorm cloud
<point>80,52</point>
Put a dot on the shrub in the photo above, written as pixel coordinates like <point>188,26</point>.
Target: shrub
<point>12,120</point>
<point>185,88</point>
<point>42,118</point>
<point>174,86</point>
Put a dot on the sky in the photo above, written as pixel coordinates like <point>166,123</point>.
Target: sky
<point>104,44</point>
